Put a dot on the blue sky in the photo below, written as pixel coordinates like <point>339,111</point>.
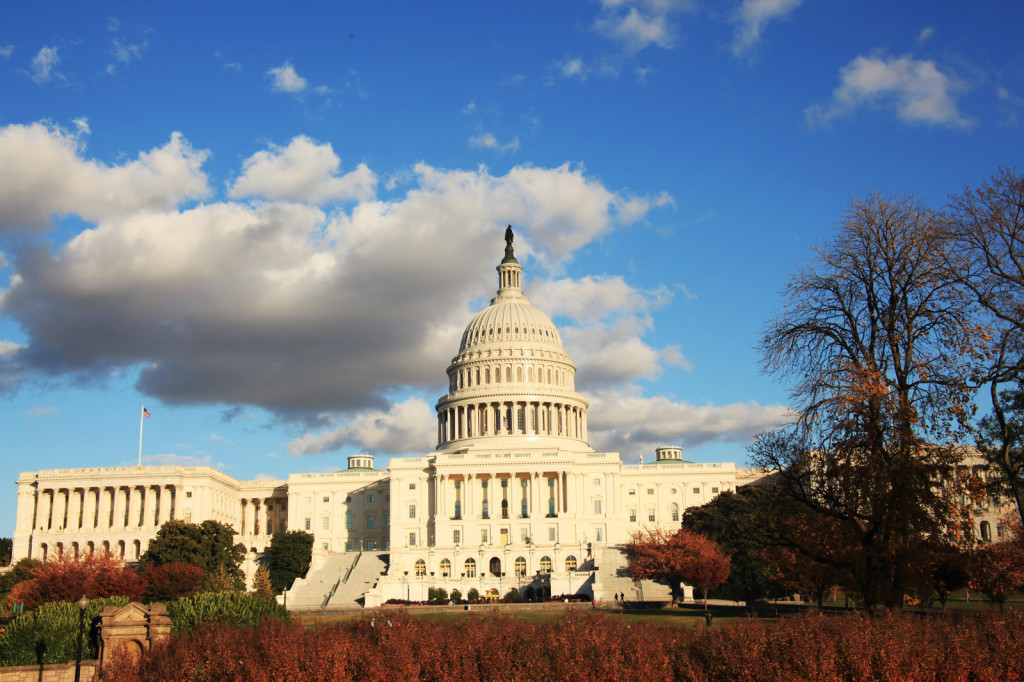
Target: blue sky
<point>270,224</point>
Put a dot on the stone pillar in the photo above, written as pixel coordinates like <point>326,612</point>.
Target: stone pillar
<point>46,522</point>
<point>119,507</point>
<point>76,507</point>
<point>470,509</point>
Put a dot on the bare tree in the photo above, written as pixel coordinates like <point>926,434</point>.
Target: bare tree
<point>988,226</point>
<point>880,346</point>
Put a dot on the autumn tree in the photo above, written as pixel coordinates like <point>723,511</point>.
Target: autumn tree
<point>987,225</point>
<point>675,558</point>
<point>880,348</point>
<point>168,582</point>
<point>290,556</point>
<point>997,570</point>
<point>261,583</point>
<point>209,545</point>
<point>68,577</point>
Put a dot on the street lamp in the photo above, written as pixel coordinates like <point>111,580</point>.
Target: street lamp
<point>83,604</point>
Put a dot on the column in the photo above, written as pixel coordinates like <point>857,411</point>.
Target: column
<point>75,515</point>
<point>535,508</point>
<point>63,496</point>
<point>47,518</point>
<point>470,498</point>
<point>89,509</point>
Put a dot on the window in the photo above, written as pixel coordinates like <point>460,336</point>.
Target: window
<point>458,509</point>
<point>446,568</point>
<point>523,508</point>
<point>348,546</point>
<point>504,483</point>
<point>483,536</point>
<point>387,498</point>
<point>308,523</point>
<point>675,512</point>
<point>188,493</point>
<point>632,492</point>
<point>632,515</point>
<point>570,563</point>
<point>309,499</point>
<point>597,481</point>
<point>696,491</point>
<point>412,539</point>
<point>326,500</point>
<point>371,545</point>
<point>369,498</point>
<point>483,508</point>
<point>545,564</point>
<point>421,568</point>
<point>551,507</point>
<point>650,516</point>
<point>369,522</point>
<point>524,534</point>
<point>270,507</point>
<point>520,566</point>
<point>326,522</point>
<point>456,536</point>
<point>387,520</point>
<point>348,520</point>
<point>412,486</point>
<point>470,567</point>
<point>412,511</point>
<point>650,491</point>
<point>714,491</point>
<point>598,535</point>
<point>551,534</point>
<point>597,506</point>
<point>188,517</point>
<point>326,546</point>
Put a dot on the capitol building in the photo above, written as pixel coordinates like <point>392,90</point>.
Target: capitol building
<point>512,496</point>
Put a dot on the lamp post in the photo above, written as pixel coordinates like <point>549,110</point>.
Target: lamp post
<point>83,604</point>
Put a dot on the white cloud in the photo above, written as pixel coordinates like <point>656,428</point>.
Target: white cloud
<point>489,141</point>
<point>41,411</point>
<point>273,303</point>
<point>302,171</point>
<point>637,24</point>
<point>9,347</point>
<point>43,64</point>
<point>42,174</point>
<point>629,422</point>
<point>572,67</point>
<point>285,79</point>
<point>125,54</point>
<point>6,50</point>
<point>926,33</point>
<point>408,426</point>
<point>751,18</point>
<point>918,91</point>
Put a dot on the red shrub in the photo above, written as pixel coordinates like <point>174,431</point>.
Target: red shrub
<point>67,578</point>
<point>171,581</point>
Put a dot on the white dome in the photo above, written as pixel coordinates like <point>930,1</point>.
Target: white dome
<point>513,321</point>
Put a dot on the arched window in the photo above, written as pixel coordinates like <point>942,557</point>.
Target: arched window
<point>487,375</point>
<point>675,511</point>
<point>570,563</point>
<point>545,564</point>
<point>446,568</point>
<point>504,509</point>
<point>471,567</point>
<point>986,531</point>
<point>520,566</point>
<point>508,374</point>
<point>421,568</point>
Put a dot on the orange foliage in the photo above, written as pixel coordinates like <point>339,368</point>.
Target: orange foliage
<point>67,578</point>
<point>680,557</point>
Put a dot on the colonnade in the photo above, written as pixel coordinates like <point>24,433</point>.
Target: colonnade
<point>511,418</point>
<point>544,494</point>
<point>103,507</point>
<point>260,515</point>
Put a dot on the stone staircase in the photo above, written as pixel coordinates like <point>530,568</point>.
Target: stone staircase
<point>340,582</point>
<point>362,578</point>
<point>611,578</point>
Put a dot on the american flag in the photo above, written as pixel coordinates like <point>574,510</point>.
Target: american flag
<point>145,412</point>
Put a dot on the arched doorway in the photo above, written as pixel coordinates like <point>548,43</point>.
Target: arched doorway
<point>495,566</point>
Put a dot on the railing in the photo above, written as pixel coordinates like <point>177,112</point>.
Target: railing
<point>352,567</point>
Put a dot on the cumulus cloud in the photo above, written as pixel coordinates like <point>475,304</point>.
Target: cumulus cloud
<point>917,89</point>
<point>753,15</point>
<point>44,63</point>
<point>637,24</point>
<point>408,426</point>
<point>572,67</point>
<point>6,50</point>
<point>277,303</point>
<point>628,422</point>
<point>926,33</point>
<point>489,141</point>
<point>302,171</point>
<point>43,173</point>
<point>284,79</point>
<point>41,411</point>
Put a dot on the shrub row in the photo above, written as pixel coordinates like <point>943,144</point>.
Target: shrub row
<point>806,647</point>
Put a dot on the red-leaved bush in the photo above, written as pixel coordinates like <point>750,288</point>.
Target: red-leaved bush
<point>67,578</point>
<point>897,646</point>
<point>171,581</point>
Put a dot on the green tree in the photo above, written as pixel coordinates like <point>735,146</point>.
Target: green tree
<point>261,583</point>
<point>6,547</point>
<point>742,523</point>
<point>290,556</point>
<point>22,570</point>
<point>209,545</point>
<point>881,347</point>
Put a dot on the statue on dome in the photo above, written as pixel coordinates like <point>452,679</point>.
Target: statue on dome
<point>509,253</point>
<point>508,235</point>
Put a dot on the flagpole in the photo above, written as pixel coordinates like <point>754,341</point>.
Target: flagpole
<point>142,414</point>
